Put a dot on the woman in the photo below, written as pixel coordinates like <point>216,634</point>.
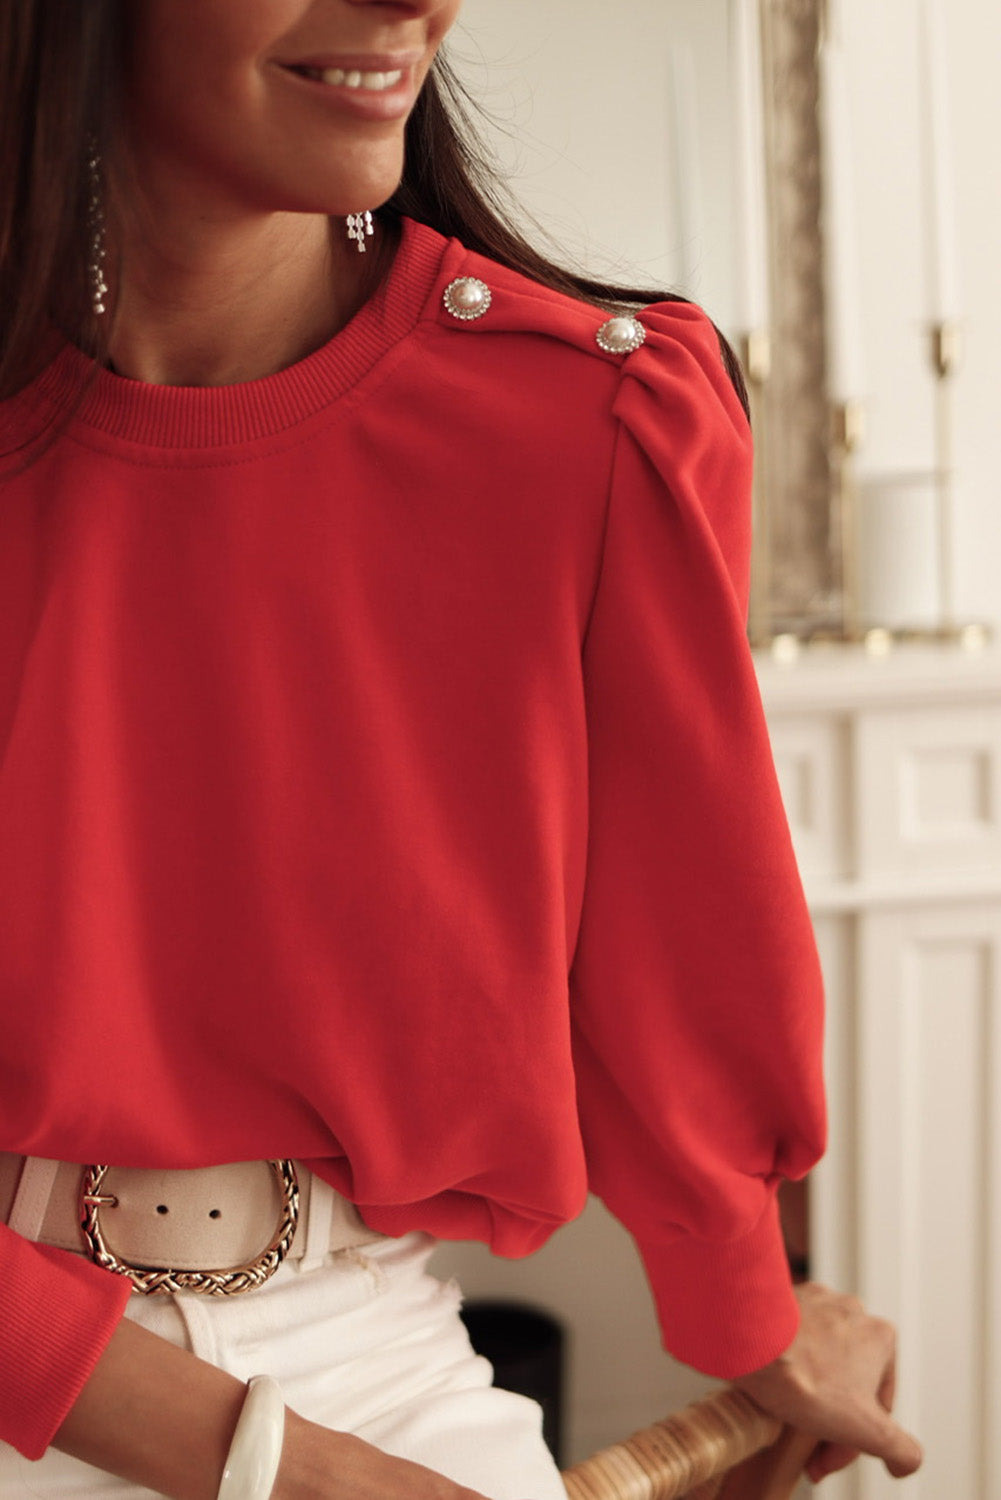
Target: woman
<point>372,660</point>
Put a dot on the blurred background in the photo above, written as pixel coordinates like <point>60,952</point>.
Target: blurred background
<point>817,176</point>
<point>625,135</point>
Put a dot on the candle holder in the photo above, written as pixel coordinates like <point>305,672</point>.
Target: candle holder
<point>756,355</point>
<point>944,346</point>
<point>847,435</point>
<point>877,637</point>
<point>945,355</point>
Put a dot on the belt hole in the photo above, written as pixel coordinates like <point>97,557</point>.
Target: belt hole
<point>215,1213</point>
<point>162,1208</point>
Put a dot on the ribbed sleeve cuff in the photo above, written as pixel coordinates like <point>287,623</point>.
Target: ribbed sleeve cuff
<point>725,1309</point>
<point>58,1313</point>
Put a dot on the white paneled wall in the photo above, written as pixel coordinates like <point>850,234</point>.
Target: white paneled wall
<point>930,1179</point>
<point>903,763</point>
<point>888,105</point>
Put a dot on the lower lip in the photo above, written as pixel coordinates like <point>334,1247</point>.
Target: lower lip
<point>366,104</point>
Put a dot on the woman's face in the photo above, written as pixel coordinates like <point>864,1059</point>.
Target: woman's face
<point>266,105</point>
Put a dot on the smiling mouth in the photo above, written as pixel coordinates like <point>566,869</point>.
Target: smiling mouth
<point>353,78</point>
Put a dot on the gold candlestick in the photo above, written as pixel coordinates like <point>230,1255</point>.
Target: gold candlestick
<point>756,353</point>
<point>945,353</point>
<point>847,433</point>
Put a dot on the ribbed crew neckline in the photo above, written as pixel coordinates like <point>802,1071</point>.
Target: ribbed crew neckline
<point>177,416</point>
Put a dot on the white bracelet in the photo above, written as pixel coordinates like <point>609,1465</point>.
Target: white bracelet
<point>256,1450</point>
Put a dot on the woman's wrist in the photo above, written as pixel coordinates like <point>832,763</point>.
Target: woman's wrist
<point>155,1415</point>
<point>254,1456</point>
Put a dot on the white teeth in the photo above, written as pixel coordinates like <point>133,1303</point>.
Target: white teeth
<point>376,82</point>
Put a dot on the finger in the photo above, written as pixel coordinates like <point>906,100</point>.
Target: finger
<point>910,1457</point>
<point>901,1453</point>
<point>829,1458</point>
<point>866,1425</point>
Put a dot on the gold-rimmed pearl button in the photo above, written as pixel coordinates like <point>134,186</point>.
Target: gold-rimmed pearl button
<point>467,298</point>
<point>621,335</point>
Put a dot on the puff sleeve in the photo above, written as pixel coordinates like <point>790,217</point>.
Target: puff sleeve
<point>695,988</point>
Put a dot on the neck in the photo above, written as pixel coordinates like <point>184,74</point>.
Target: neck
<point>213,304</point>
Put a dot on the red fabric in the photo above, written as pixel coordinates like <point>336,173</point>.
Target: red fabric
<point>58,1313</point>
<point>384,784</point>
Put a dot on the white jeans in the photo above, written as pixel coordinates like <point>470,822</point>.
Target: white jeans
<point>367,1343</point>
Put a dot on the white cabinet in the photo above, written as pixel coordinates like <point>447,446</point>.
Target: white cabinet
<point>891,771</point>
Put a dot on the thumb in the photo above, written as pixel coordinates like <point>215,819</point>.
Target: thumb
<point>901,1453</point>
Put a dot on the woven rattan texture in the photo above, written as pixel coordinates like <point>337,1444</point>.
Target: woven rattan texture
<point>705,1452</point>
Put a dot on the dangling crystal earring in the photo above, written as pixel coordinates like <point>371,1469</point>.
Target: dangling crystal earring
<point>360,227</point>
<point>95,228</point>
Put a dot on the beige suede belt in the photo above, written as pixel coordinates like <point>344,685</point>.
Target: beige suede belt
<point>218,1230</point>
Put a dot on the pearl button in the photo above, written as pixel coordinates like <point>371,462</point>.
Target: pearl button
<point>621,335</point>
<point>467,298</point>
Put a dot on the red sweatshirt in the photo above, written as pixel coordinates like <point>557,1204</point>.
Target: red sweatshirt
<point>383,783</point>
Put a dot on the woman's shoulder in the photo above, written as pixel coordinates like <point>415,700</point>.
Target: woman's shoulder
<point>484,297</point>
<point>647,390</point>
<point>662,370</point>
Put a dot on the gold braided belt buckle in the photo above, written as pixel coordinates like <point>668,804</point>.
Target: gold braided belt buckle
<point>222,1283</point>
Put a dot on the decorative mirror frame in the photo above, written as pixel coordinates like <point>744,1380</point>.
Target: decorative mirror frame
<point>804,567</point>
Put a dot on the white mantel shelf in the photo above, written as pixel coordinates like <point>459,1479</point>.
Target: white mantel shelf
<point>846,677</point>
<point>891,773</point>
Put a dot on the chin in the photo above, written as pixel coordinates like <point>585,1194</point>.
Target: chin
<point>367,184</point>
<point>334,204</point>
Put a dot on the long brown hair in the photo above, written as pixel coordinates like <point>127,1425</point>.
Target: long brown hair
<point>60,72</point>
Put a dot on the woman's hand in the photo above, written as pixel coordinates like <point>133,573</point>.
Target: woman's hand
<point>837,1381</point>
